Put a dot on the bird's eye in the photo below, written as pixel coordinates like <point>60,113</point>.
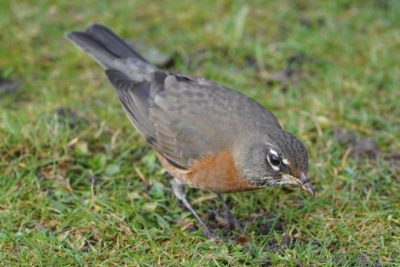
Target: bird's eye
<point>274,160</point>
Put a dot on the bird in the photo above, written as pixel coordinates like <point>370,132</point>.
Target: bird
<point>206,135</point>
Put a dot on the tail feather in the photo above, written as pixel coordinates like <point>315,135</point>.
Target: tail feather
<point>98,52</point>
<point>104,46</point>
<point>112,42</point>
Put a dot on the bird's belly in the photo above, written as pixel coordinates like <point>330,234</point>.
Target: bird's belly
<point>215,173</point>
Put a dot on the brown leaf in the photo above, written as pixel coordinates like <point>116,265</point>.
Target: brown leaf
<point>242,239</point>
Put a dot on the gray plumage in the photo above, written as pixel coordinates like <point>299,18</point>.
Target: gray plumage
<point>182,117</point>
<point>209,137</point>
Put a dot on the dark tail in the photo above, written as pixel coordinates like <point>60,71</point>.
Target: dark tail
<point>104,46</point>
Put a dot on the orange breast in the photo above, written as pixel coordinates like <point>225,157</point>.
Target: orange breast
<point>216,173</point>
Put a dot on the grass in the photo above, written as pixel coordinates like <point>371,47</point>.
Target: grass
<point>79,187</point>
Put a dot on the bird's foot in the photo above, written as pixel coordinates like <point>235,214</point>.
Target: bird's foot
<point>233,223</point>
<point>177,188</point>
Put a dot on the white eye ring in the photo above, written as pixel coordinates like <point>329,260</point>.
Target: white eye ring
<point>275,166</point>
<point>273,152</point>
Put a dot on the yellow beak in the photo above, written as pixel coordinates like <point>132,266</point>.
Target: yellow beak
<point>303,182</point>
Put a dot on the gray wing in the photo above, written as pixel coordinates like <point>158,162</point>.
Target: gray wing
<point>182,117</point>
<point>185,117</point>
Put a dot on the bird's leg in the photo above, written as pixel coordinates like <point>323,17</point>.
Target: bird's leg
<point>177,188</point>
<point>233,222</point>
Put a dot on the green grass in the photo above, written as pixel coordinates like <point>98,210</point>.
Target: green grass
<point>94,194</point>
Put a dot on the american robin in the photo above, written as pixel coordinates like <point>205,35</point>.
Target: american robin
<point>206,135</point>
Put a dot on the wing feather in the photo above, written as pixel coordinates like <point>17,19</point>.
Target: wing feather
<point>185,118</point>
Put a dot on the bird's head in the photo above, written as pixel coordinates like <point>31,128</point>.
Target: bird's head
<point>275,157</point>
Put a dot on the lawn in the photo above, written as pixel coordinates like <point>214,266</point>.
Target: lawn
<point>79,187</point>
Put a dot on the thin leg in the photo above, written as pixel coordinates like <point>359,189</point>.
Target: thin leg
<point>233,222</point>
<point>177,188</point>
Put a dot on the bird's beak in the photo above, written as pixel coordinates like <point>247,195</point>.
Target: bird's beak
<point>305,185</point>
<point>303,182</point>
